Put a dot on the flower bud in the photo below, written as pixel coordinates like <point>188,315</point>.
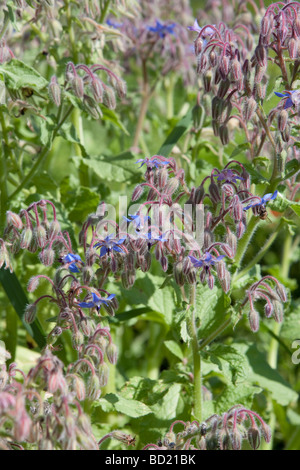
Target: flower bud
<point>254,437</point>
<point>77,339</point>
<point>78,86</point>
<point>223,88</point>
<point>249,108</point>
<point>54,229</point>
<point>254,320</point>
<point>109,98</point>
<point>93,388</point>
<point>282,120</point>
<point>278,312</point>
<point>97,90</point>
<point>280,289</point>
<point>92,107</point>
<point>171,186</point>
<point>269,309</point>
<point>224,135</point>
<point>40,235</point>
<point>214,192</point>
<point>14,219</point>
<point>54,91</point>
<point>112,353</point>
<point>30,313</point>
<point>137,193</point>
<point>33,283</point>
<point>121,88</point>
<point>103,372</point>
<point>47,256</point>
<point>26,237</point>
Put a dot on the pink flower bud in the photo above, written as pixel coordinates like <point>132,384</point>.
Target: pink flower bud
<point>33,283</point>
<point>109,98</point>
<point>40,236</point>
<point>54,229</point>
<point>278,312</point>
<point>137,193</point>
<point>254,437</point>
<point>254,320</point>
<point>30,313</point>
<point>26,237</point>
<point>78,86</point>
<point>47,257</point>
<point>103,373</point>
<point>14,219</point>
<point>97,90</point>
<point>112,353</point>
<point>93,388</point>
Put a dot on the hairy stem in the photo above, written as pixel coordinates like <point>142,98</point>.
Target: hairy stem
<point>191,326</point>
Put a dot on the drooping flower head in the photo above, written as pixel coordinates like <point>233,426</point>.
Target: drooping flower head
<point>110,244</point>
<point>206,261</point>
<point>162,28</point>
<point>292,98</point>
<point>228,176</point>
<point>261,201</point>
<point>96,301</point>
<point>72,262</point>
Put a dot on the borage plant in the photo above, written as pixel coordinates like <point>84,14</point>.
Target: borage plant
<point>153,328</point>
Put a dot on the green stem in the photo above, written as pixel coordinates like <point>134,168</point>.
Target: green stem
<point>3,174</point>
<point>146,95</point>
<point>41,158</point>
<point>4,28</point>
<point>104,10</point>
<point>83,169</point>
<point>214,334</point>
<point>244,241</point>
<point>274,344</point>
<point>191,326</point>
<point>261,253</point>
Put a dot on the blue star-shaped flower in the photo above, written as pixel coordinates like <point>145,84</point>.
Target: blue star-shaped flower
<point>137,219</point>
<point>292,97</point>
<point>96,301</point>
<point>228,176</point>
<point>162,29</point>
<point>206,261</point>
<point>113,24</point>
<point>151,163</point>
<point>72,262</point>
<point>109,244</point>
<point>263,200</point>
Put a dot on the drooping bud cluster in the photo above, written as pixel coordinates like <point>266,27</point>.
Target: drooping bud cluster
<point>226,432</point>
<point>272,293</point>
<point>42,408</point>
<point>92,90</point>
<point>236,76</point>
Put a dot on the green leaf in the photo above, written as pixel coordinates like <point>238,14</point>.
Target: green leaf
<point>110,115</point>
<point>233,394</point>
<point>178,131</point>
<point>211,309</point>
<point>264,376</point>
<point>291,326</point>
<point>18,299</point>
<point>256,177</point>
<point>83,204</point>
<point>232,364</point>
<point>240,148</point>
<point>18,75</point>
<point>174,348</point>
<point>132,408</point>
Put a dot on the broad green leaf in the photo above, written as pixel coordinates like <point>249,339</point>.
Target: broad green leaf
<point>241,393</point>
<point>210,307</point>
<point>132,408</point>
<point>18,75</point>
<point>174,348</point>
<point>240,148</point>
<point>83,204</point>
<point>256,177</point>
<point>264,376</point>
<point>110,115</point>
<point>231,363</point>
<point>172,139</point>
<point>290,329</point>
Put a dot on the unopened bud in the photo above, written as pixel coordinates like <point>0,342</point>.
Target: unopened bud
<point>97,90</point>
<point>280,289</point>
<point>250,106</point>
<point>30,313</point>
<point>47,257</point>
<point>92,107</point>
<point>40,236</point>
<point>55,91</point>
<point>78,86</point>
<point>137,193</point>
<point>77,339</point>
<point>171,186</point>
<point>14,219</point>
<point>109,98</point>
<point>254,437</point>
<point>112,353</point>
<point>33,283</point>
<point>254,320</point>
<point>103,373</point>
<point>26,237</point>
<point>278,312</point>
<point>224,135</point>
<point>54,229</point>
<point>93,388</point>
